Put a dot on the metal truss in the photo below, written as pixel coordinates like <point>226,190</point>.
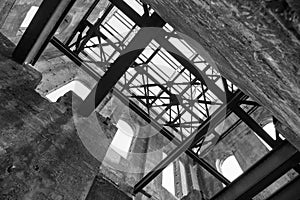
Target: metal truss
<point>165,81</point>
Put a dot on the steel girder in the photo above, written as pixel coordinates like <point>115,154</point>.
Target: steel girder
<point>288,191</point>
<point>261,174</point>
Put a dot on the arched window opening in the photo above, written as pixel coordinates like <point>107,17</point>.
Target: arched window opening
<point>123,138</point>
<point>271,130</point>
<point>168,181</point>
<point>76,86</point>
<point>230,168</point>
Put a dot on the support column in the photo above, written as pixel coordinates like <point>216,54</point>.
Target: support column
<point>41,29</point>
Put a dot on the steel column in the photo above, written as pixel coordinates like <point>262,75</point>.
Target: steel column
<point>41,29</point>
<point>261,174</point>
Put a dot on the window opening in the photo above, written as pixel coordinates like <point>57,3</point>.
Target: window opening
<point>28,18</point>
<point>168,181</point>
<point>122,139</point>
<point>230,168</point>
<point>76,86</point>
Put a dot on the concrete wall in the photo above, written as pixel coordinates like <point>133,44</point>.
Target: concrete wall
<point>41,155</point>
<point>255,44</point>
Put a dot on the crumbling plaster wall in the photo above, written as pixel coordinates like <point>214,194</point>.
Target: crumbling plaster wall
<point>41,154</point>
<point>255,44</point>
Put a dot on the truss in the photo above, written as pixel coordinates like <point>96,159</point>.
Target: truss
<point>165,81</point>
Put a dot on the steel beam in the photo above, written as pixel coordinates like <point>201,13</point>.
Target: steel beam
<point>60,46</point>
<point>208,124</point>
<point>82,23</point>
<point>289,191</point>
<point>262,174</point>
<point>254,126</point>
<point>42,27</point>
<point>236,124</point>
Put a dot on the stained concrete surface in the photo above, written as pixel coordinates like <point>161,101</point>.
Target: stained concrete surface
<point>41,155</point>
<point>255,44</point>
